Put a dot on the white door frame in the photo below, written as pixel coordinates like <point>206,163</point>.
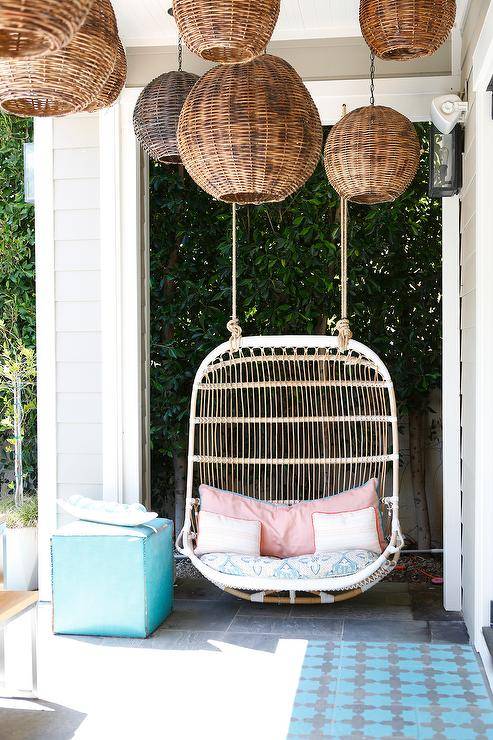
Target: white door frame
<point>483,515</point>
<point>122,223</point>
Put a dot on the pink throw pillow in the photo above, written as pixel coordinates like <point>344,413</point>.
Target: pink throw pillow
<point>287,531</point>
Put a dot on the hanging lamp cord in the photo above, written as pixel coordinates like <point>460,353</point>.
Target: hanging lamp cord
<point>342,326</point>
<point>233,325</point>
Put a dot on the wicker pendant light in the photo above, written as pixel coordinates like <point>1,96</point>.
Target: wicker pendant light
<point>113,85</point>
<point>372,154</point>
<point>226,31</point>
<point>157,112</point>
<point>33,28</point>
<point>406,29</point>
<point>68,80</point>
<point>250,133</point>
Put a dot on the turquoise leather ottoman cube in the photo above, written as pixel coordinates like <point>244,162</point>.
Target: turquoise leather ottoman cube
<point>112,581</point>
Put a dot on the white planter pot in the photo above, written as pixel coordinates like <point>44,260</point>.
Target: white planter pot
<point>20,559</point>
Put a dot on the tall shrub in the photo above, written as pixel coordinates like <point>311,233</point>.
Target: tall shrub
<point>17,285</point>
<point>288,283</point>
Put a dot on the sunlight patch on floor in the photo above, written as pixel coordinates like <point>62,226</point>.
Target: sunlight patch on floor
<point>219,689</point>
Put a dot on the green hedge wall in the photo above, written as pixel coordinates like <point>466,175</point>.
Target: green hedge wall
<point>288,283</point>
<point>17,279</point>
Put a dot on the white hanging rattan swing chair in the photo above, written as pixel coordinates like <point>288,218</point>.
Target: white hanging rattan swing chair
<point>288,419</point>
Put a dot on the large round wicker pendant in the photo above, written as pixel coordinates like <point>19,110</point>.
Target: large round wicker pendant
<point>113,85</point>
<point>406,29</point>
<point>250,133</point>
<point>68,80</point>
<point>226,31</point>
<point>33,28</point>
<point>157,112</point>
<point>372,155</point>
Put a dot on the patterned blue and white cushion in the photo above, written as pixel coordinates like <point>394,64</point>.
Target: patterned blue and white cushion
<point>323,565</point>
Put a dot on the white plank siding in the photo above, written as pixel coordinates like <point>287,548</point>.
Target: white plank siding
<point>77,292</point>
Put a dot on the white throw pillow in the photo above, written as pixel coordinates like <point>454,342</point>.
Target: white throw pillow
<point>350,530</point>
<point>106,512</point>
<point>219,533</point>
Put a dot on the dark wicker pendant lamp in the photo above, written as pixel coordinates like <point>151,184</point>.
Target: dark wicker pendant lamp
<point>226,31</point>
<point>406,29</point>
<point>157,112</point>
<point>68,80</point>
<point>372,154</point>
<point>250,133</point>
<point>113,85</point>
<point>33,28</point>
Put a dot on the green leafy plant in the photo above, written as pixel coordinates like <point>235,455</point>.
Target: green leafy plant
<point>17,377</point>
<point>17,286</point>
<point>16,517</point>
<point>288,283</point>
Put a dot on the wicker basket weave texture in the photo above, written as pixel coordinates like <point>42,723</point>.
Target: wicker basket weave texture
<point>68,80</point>
<point>33,28</point>
<point>406,29</point>
<point>226,31</point>
<point>250,133</point>
<point>157,112</point>
<point>372,155</point>
<point>113,85</point>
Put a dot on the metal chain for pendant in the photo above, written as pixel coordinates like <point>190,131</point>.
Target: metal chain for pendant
<point>372,78</point>
<point>180,53</point>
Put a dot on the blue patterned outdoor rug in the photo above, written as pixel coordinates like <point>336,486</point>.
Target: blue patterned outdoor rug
<point>359,690</point>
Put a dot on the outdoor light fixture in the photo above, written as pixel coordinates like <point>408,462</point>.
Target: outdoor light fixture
<point>447,111</point>
<point>445,162</point>
<point>29,172</point>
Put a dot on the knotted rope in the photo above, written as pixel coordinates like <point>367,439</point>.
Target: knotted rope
<point>233,326</point>
<point>342,326</point>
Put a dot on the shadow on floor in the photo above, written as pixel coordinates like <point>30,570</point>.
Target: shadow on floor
<point>390,612</point>
<point>37,720</point>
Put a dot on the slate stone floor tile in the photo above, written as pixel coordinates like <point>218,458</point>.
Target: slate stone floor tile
<point>198,588</point>
<point>451,632</point>
<point>122,642</point>
<point>352,609</point>
<point>185,640</point>
<point>386,630</point>
<point>278,611</point>
<point>328,629</point>
<point>200,615</point>
<point>390,587</point>
<point>260,642</point>
<point>389,598</point>
<point>435,612</point>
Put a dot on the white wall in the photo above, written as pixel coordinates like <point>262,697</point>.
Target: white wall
<point>68,317</point>
<point>80,255</point>
<point>77,306</point>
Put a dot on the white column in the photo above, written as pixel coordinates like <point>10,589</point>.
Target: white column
<point>122,223</point>
<point>452,537</point>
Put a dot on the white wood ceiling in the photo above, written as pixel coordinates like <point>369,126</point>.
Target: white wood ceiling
<point>147,23</point>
